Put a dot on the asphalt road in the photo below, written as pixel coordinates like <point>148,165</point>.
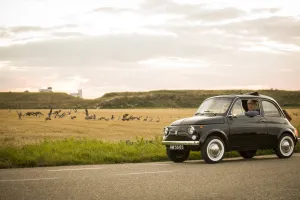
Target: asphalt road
<point>265,177</point>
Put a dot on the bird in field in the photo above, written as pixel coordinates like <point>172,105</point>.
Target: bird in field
<point>49,115</point>
<point>20,115</point>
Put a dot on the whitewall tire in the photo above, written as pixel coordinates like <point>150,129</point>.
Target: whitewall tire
<point>213,150</point>
<point>285,147</point>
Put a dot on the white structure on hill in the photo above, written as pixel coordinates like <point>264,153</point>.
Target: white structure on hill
<point>49,89</point>
<point>78,94</point>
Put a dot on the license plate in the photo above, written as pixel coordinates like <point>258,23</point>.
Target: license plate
<point>176,147</point>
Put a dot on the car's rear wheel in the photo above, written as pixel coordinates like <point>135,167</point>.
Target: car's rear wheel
<point>213,150</point>
<point>285,147</point>
<point>247,154</point>
<point>178,155</point>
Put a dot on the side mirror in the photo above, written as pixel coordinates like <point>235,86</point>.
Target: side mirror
<point>251,113</point>
<point>231,116</point>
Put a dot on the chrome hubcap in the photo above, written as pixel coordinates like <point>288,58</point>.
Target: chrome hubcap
<point>286,146</point>
<point>215,150</point>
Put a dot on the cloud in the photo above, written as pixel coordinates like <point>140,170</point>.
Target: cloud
<point>4,63</point>
<point>123,51</point>
<point>24,34</point>
<point>21,29</point>
<point>68,34</point>
<point>183,45</point>
<point>111,10</point>
<point>278,28</point>
<point>272,47</point>
<point>266,10</point>
<point>174,63</point>
<point>216,14</point>
<point>90,51</point>
<point>168,6</point>
<point>190,12</point>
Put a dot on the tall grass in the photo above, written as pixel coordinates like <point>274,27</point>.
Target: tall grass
<point>90,151</point>
<point>80,151</point>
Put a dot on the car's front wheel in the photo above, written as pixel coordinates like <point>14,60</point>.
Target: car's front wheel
<point>213,150</point>
<point>285,147</point>
<point>178,155</point>
<point>247,154</point>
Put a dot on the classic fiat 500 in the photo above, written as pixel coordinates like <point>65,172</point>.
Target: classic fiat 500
<point>244,123</point>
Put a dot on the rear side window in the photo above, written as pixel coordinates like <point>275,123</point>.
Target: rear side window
<point>270,109</point>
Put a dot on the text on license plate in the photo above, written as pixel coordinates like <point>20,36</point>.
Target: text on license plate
<point>177,147</point>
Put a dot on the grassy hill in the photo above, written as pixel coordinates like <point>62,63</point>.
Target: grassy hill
<point>25,100</point>
<point>151,99</point>
<point>184,98</point>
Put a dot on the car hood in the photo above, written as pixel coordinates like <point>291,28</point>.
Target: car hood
<point>199,120</point>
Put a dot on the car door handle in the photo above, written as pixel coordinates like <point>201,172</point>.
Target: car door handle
<point>262,133</point>
<point>263,120</point>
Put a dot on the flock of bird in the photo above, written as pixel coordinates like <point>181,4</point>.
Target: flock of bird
<point>59,114</point>
<point>73,115</point>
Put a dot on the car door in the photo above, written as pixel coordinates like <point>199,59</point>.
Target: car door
<point>245,132</point>
<point>274,120</point>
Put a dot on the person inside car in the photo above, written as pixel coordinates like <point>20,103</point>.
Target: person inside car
<point>252,108</point>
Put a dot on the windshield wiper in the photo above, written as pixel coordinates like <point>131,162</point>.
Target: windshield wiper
<point>209,111</point>
<point>204,112</point>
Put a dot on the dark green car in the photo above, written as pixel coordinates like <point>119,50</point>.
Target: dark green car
<point>243,123</point>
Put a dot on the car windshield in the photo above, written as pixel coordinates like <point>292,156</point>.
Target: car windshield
<point>217,105</point>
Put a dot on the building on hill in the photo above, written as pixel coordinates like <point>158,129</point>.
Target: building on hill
<point>78,94</point>
<point>49,89</point>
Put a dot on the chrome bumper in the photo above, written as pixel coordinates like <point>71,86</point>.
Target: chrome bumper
<point>180,143</point>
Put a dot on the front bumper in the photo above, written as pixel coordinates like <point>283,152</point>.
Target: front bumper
<point>194,143</point>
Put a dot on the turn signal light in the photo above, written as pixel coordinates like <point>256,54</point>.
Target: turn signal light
<point>296,132</point>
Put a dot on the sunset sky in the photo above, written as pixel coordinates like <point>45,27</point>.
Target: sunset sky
<point>141,45</point>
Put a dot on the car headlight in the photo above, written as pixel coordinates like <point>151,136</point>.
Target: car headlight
<point>191,130</point>
<point>166,130</point>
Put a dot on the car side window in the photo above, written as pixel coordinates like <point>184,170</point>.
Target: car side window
<point>237,108</point>
<point>270,109</point>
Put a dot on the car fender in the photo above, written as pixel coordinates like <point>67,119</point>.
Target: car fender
<point>285,130</point>
<point>208,133</point>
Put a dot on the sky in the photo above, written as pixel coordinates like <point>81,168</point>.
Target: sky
<point>141,45</point>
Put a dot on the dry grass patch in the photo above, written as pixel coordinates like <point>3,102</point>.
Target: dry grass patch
<point>34,129</point>
<point>31,130</point>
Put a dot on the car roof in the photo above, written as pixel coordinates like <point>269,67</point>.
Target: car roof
<point>248,95</point>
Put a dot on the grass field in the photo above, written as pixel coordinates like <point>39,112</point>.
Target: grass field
<point>33,141</point>
<point>33,129</point>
